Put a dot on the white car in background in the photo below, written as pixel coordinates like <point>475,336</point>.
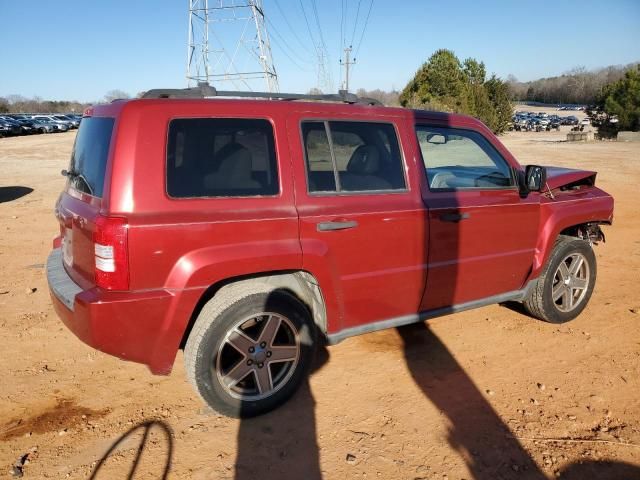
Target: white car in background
<point>585,121</point>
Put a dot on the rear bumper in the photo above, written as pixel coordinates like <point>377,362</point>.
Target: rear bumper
<point>144,327</point>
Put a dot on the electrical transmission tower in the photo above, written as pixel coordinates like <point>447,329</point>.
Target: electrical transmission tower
<point>325,82</point>
<point>229,44</point>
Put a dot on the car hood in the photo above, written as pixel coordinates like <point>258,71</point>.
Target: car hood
<point>559,177</point>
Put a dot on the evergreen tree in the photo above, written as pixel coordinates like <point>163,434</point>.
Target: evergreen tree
<point>622,99</point>
<point>439,84</point>
<point>500,98</point>
<point>443,83</point>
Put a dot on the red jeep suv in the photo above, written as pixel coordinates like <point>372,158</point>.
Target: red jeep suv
<point>246,231</point>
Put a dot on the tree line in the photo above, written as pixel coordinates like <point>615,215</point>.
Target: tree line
<point>20,104</point>
<point>445,83</point>
<point>577,86</point>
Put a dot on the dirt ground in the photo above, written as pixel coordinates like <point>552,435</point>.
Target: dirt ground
<point>485,394</point>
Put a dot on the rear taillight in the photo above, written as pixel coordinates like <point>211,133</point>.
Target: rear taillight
<point>111,253</point>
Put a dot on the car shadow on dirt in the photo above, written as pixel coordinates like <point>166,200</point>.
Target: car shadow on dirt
<point>9,194</point>
<point>477,432</point>
<point>601,470</point>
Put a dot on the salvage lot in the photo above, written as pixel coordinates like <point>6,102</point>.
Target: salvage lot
<point>482,394</point>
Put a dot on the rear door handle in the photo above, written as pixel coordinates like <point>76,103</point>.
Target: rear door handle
<point>330,226</point>
<point>454,217</point>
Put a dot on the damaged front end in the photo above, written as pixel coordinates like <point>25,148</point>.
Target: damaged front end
<point>568,179</point>
<point>589,232</point>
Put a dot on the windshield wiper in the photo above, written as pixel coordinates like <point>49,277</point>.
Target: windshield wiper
<point>73,174</point>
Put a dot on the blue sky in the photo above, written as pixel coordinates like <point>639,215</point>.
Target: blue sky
<point>76,49</point>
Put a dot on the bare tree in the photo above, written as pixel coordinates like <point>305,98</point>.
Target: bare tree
<point>115,94</point>
<point>577,85</point>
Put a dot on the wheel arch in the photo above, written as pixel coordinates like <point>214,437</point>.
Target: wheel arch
<point>585,230</point>
<point>301,284</point>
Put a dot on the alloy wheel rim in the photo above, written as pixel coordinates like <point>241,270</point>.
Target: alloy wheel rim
<point>258,356</point>
<point>570,282</point>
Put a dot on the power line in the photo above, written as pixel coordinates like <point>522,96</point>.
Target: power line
<point>355,24</point>
<point>283,50</point>
<point>315,13</point>
<point>364,28</point>
<point>341,23</point>
<point>304,46</point>
<point>325,82</point>
<point>306,21</point>
<point>284,41</point>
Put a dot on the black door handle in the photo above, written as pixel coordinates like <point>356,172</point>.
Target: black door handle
<point>454,217</point>
<point>330,226</point>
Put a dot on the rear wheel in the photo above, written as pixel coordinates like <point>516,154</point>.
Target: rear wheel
<point>565,286</point>
<point>249,349</point>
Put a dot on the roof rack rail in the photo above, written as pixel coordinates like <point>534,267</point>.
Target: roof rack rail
<point>204,90</point>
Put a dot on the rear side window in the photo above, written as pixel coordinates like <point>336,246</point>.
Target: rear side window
<point>90,152</point>
<point>352,157</point>
<point>214,157</point>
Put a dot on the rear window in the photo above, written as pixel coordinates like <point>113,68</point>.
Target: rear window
<point>215,157</point>
<point>359,157</point>
<point>89,157</point>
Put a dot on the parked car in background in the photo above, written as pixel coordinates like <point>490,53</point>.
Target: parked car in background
<point>28,126</point>
<point>10,127</point>
<point>554,125</point>
<point>42,126</point>
<point>61,125</point>
<point>5,129</point>
<point>73,122</point>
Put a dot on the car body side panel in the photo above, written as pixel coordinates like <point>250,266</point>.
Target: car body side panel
<point>194,242</point>
<point>376,269</point>
<point>183,246</point>
<point>489,251</point>
<point>565,210</point>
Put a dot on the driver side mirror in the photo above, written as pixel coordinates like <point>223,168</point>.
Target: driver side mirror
<point>535,178</point>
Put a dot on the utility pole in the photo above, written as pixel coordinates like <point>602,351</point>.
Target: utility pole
<point>346,64</point>
<point>229,43</point>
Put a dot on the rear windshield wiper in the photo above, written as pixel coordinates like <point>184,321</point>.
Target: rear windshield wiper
<point>73,174</point>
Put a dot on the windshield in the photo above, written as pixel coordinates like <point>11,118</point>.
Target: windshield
<point>89,157</point>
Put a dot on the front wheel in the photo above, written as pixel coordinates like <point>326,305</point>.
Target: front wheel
<point>249,350</point>
<point>565,286</point>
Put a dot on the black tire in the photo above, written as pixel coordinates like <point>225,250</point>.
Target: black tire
<point>540,302</point>
<point>209,352</point>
